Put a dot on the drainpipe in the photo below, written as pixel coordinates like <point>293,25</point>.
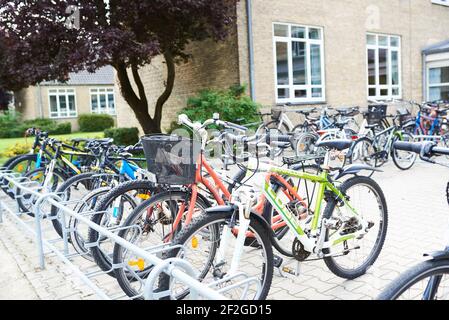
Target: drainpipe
<point>39,101</point>
<point>251,49</point>
<point>424,77</point>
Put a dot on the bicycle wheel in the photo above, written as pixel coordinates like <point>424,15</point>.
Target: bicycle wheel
<point>404,160</point>
<point>25,200</point>
<point>305,144</point>
<point>428,280</point>
<point>352,257</point>
<point>201,241</point>
<point>20,165</point>
<point>363,151</point>
<point>74,189</point>
<point>136,190</point>
<point>151,224</point>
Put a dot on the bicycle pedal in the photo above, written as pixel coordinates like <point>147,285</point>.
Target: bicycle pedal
<point>289,271</point>
<point>277,261</point>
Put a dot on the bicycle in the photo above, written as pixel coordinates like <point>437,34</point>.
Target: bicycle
<point>376,151</point>
<point>426,280</point>
<point>213,232</point>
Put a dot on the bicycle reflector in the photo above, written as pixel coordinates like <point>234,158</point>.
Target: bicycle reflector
<point>139,263</point>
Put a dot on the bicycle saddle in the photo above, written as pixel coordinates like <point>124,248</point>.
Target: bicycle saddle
<point>338,144</point>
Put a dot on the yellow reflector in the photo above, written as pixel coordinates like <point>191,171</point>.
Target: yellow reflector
<point>194,242</point>
<point>143,196</point>
<point>140,263</point>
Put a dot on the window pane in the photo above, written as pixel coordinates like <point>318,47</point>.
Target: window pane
<point>395,91</point>
<point>372,66</point>
<point>282,63</point>
<point>102,103</point>
<point>394,68</point>
<point>383,41</point>
<point>111,103</point>
<point>371,39</point>
<point>300,93</point>
<point>298,32</point>
<point>283,93</point>
<point>72,106</point>
<point>63,106</point>
<point>439,75</point>
<point>372,92</point>
<point>280,30</point>
<point>384,92</point>
<point>383,68</point>
<point>394,41</point>
<point>314,33</point>
<point>315,63</point>
<point>439,93</point>
<point>299,63</point>
<point>94,103</point>
<point>53,105</point>
<point>317,92</point>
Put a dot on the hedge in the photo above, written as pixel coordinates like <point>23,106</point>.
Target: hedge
<point>123,136</point>
<point>11,125</point>
<point>95,122</point>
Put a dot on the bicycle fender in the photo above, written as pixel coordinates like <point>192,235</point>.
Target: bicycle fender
<point>353,169</point>
<point>231,209</point>
<point>438,255</point>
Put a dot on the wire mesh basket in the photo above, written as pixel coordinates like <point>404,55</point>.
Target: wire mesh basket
<point>275,114</point>
<point>172,159</point>
<point>376,112</point>
<point>404,116</point>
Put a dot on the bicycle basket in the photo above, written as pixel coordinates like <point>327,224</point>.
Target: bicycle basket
<point>376,113</point>
<point>172,159</point>
<point>404,117</point>
<point>275,114</point>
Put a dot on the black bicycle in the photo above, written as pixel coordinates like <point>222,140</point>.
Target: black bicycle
<point>428,280</point>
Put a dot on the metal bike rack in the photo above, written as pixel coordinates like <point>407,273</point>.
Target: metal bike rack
<point>178,269</point>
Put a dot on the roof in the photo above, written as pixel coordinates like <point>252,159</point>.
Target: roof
<point>103,76</point>
<point>437,48</point>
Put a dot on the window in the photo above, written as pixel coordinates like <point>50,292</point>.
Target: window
<point>62,103</point>
<point>438,81</point>
<point>102,100</point>
<point>299,65</point>
<point>441,2</point>
<point>384,66</point>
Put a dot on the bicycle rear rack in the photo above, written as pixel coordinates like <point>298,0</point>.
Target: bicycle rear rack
<point>180,270</point>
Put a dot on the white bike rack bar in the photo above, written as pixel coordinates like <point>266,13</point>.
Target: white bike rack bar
<point>178,269</point>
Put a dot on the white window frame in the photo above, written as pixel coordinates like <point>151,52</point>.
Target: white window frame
<point>95,91</point>
<point>433,65</point>
<point>65,92</point>
<point>308,87</point>
<point>389,86</point>
<point>441,2</point>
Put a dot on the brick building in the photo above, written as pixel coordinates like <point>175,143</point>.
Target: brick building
<point>340,52</point>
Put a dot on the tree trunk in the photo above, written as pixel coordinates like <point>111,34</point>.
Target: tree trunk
<point>139,103</point>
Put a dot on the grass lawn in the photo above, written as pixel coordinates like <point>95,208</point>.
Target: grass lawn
<point>7,143</point>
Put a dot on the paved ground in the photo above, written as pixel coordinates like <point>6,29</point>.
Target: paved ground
<point>418,223</point>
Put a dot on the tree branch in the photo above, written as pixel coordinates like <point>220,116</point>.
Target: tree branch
<point>138,81</point>
<point>125,85</point>
<point>171,73</point>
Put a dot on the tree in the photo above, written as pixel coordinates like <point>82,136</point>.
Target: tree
<point>46,39</point>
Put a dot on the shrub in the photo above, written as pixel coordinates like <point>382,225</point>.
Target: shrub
<point>95,122</point>
<point>17,149</point>
<point>11,125</point>
<point>123,136</point>
<point>231,104</point>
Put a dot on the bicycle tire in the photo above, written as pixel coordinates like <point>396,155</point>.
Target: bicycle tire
<point>412,276</point>
<point>200,222</point>
<point>15,162</point>
<point>380,240</point>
